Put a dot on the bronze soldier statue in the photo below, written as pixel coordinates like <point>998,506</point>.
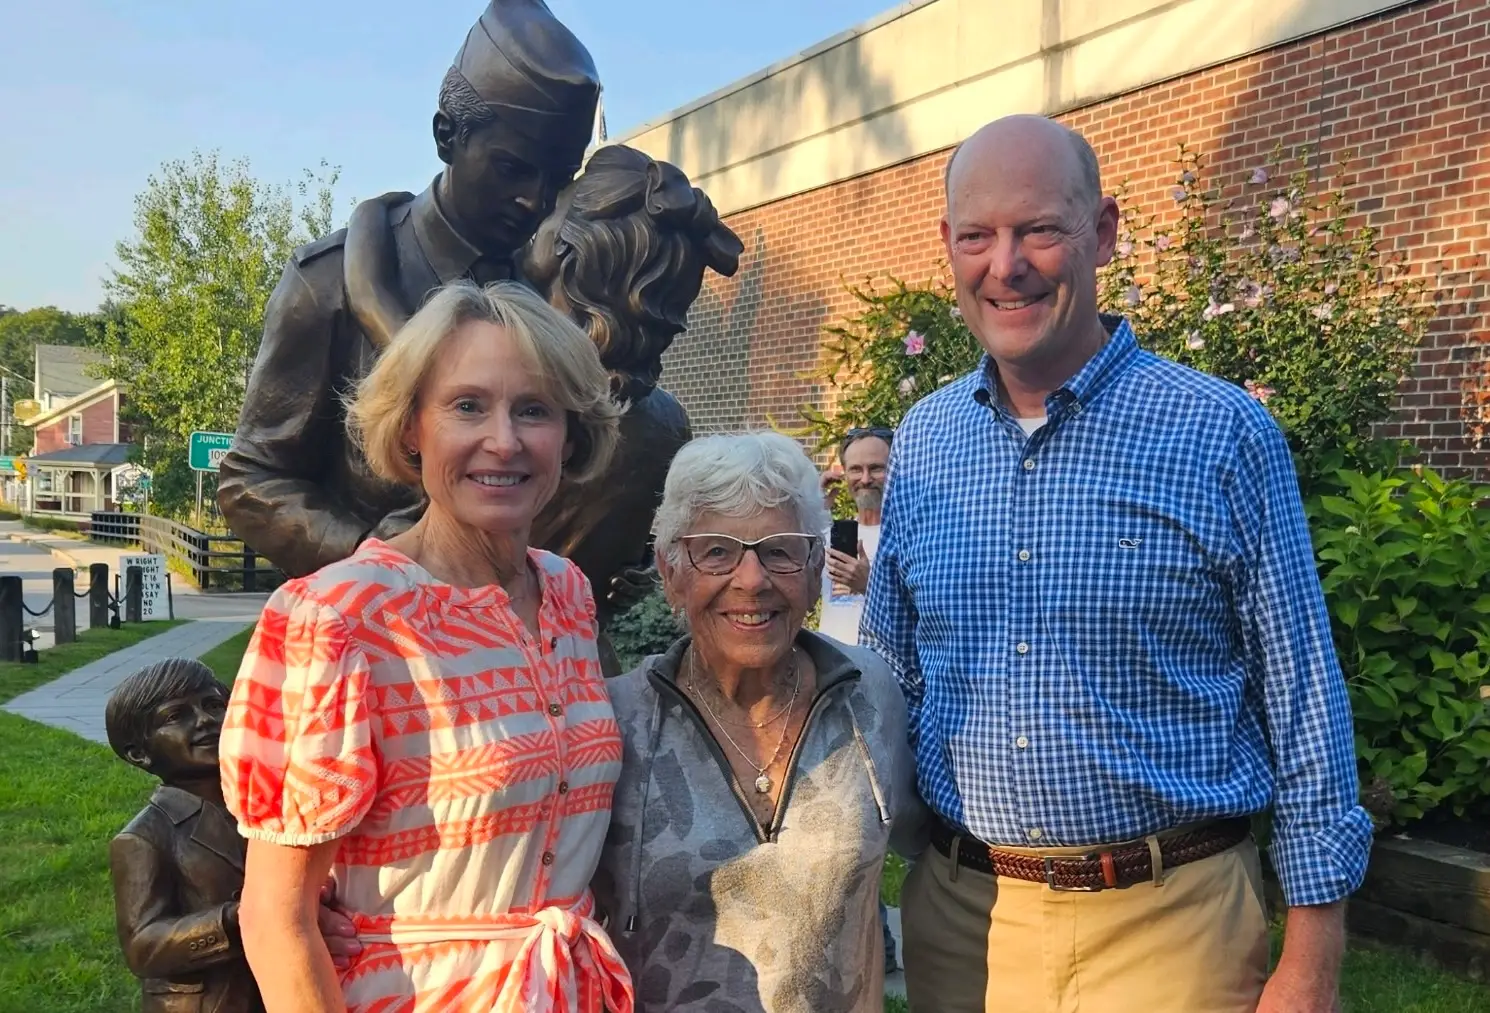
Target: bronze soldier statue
<point>624,255</point>
<point>516,113</point>
<point>178,866</point>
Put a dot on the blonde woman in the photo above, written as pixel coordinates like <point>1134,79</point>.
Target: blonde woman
<point>425,721</point>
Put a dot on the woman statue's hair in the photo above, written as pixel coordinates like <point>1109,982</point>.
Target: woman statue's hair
<point>624,256</point>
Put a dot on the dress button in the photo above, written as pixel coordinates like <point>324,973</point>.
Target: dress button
<point>553,643</point>
<point>1029,464</point>
<point>563,787</point>
<point>1022,742</point>
<point>1035,834</point>
<point>1024,555</point>
<point>1022,647</point>
<point>555,709</point>
<point>548,858</point>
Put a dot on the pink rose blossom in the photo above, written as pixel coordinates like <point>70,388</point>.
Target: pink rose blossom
<point>1247,234</point>
<point>1279,208</point>
<point>1125,249</point>
<point>1133,296</point>
<point>956,313</point>
<point>1259,176</point>
<point>1331,288</point>
<point>1260,391</point>
<point>1179,195</point>
<point>1194,342</point>
<point>1162,243</point>
<point>1324,311</point>
<point>907,386</point>
<point>1216,309</point>
<point>915,343</point>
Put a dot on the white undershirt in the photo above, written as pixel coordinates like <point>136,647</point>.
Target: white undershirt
<point>841,614</point>
<point>1030,425</point>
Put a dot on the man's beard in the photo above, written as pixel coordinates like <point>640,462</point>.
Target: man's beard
<point>869,498</point>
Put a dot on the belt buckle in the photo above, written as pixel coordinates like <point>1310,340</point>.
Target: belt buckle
<point>1050,874</point>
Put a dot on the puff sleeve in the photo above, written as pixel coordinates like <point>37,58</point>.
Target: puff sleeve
<point>299,765</point>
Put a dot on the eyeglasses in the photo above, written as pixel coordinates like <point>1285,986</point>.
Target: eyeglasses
<point>718,555</point>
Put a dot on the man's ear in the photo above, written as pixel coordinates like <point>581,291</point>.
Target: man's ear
<point>445,137</point>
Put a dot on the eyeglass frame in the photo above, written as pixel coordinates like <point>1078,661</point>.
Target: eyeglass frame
<point>814,547</point>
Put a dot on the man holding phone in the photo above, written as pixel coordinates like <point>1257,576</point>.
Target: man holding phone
<point>851,544</point>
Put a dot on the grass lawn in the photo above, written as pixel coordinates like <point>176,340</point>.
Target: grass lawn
<point>16,678</point>
<point>224,658</point>
<point>63,799</point>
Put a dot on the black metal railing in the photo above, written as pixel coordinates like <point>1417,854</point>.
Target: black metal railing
<point>222,562</point>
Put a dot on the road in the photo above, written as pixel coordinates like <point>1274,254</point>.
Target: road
<point>34,566</point>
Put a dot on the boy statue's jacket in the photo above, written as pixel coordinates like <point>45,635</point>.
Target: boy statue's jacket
<point>176,867</point>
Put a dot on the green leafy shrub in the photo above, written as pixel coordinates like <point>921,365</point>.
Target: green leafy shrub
<point>648,627</point>
<point>1404,558</point>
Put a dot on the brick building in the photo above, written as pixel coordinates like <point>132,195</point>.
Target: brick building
<point>828,165</point>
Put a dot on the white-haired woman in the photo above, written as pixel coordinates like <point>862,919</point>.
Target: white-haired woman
<point>766,768</point>
<point>426,720</point>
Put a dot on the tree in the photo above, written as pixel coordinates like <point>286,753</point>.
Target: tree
<point>20,333</point>
<point>188,301</point>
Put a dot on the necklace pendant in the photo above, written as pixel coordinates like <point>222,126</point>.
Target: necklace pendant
<point>763,784</point>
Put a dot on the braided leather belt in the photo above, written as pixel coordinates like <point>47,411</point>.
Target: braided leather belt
<point>1101,869</point>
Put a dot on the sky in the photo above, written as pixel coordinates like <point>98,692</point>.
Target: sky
<point>96,94</point>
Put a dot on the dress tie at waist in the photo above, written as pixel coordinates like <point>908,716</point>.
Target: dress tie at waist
<point>566,964</point>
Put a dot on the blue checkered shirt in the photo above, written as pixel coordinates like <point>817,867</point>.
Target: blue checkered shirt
<point>1114,626</point>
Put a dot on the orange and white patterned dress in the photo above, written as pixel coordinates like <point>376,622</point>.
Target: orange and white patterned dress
<point>465,766</point>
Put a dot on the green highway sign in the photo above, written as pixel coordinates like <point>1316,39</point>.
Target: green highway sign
<point>8,466</point>
<point>208,450</point>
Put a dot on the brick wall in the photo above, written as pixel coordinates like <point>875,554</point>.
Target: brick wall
<point>1408,93</point>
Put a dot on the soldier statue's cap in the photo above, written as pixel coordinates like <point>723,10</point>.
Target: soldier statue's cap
<point>532,70</point>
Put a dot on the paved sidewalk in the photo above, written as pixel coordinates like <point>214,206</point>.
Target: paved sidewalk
<point>75,702</point>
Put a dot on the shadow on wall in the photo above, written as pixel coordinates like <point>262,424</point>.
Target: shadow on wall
<point>707,366</point>
<point>832,91</point>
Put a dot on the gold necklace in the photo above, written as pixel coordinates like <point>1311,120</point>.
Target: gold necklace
<point>763,781</point>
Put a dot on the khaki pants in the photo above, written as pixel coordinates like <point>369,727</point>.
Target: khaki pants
<point>1196,944</point>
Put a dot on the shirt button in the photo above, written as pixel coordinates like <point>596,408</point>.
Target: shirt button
<point>555,709</point>
<point>1022,647</point>
<point>553,643</point>
<point>548,858</point>
<point>1029,464</point>
<point>1035,834</point>
<point>1022,742</point>
<point>1024,555</point>
<point>563,787</point>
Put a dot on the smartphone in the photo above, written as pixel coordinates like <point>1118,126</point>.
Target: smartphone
<point>844,537</point>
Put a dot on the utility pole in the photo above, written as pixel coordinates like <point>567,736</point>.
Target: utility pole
<point>4,415</point>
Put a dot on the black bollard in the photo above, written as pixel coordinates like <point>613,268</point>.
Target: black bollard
<point>64,605</point>
<point>12,623</point>
<point>134,595</point>
<point>98,596</point>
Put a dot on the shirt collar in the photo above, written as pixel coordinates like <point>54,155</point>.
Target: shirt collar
<point>447,251</point>
<point>1099,373</point>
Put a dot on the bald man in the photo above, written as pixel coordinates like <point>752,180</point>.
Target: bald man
<point>1096,586</point>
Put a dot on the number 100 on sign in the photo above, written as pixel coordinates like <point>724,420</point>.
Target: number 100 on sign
<point>208,449</point>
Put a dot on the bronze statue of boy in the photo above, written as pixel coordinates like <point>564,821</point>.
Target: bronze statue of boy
<point>178,866</point>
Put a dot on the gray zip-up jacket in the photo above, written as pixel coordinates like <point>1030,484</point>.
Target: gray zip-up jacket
<point>713,911</point>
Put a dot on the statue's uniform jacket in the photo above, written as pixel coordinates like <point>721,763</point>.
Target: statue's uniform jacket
<point>176,867</point>
<point>293,486</point>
